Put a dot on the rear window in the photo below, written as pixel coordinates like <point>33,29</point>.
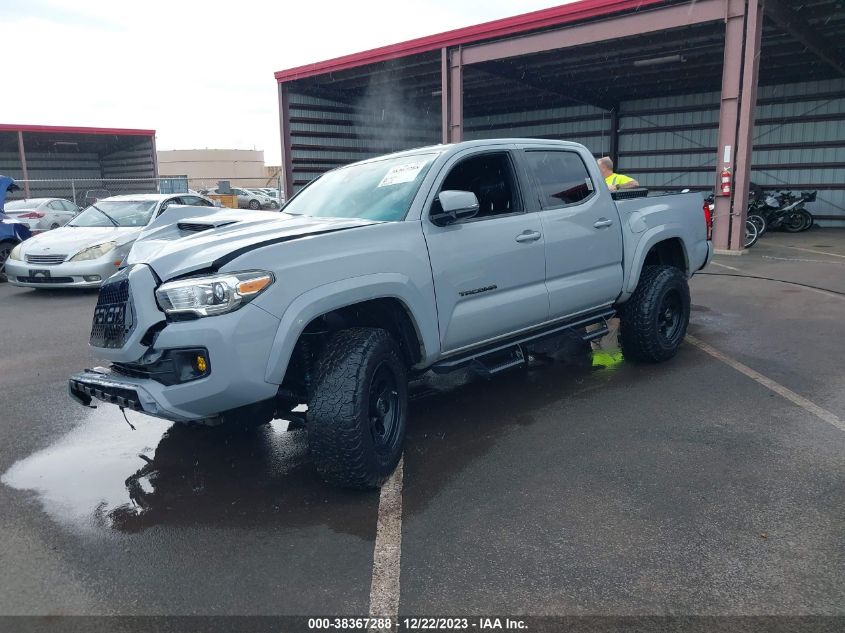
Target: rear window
<point>561,176</point>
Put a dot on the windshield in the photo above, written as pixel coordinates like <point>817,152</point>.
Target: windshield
<point>380,190</point>
<point>123,212</point>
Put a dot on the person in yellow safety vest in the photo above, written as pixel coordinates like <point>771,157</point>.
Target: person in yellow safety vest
<point>613,180</point>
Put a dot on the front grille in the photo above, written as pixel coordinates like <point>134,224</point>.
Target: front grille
<point>113,315</point>
<point>46,260</point>
<point>45,280</point>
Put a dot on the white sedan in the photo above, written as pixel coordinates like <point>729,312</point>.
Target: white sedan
<point>42,214</point>
<point>91,247</point>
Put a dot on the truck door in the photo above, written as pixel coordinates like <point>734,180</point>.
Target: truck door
<point>489,270</point>
<point>581,226</point>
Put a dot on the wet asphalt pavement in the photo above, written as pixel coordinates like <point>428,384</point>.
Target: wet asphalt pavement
<point>584,485</point>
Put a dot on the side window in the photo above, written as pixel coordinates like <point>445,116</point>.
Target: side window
<point>166,204</point>
<point>561,176</point>
<point>56,205</point>
<point>68,206</point>
<point>195,201</point>
<point>490,178</point>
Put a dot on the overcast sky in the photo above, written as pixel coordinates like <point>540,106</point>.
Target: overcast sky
<point>199,73</point>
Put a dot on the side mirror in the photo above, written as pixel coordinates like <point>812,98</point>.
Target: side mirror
<point>451,206</point>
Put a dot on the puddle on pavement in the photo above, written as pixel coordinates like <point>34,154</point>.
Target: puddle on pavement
<point>104,475</point>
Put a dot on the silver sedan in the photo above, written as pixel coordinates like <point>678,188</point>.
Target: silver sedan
<point>42,214</point>
<point>91,247</point>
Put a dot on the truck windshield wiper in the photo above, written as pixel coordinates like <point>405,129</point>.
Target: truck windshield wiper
<point>111,219</point>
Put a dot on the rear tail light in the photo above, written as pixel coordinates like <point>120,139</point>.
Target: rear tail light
<point>708,219</point>
<point>32,215</point>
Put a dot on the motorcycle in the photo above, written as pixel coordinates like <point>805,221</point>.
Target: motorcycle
<point>783,210</point>
<point>792,216</point>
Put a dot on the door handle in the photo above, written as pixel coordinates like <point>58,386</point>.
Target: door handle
<point>603,223</point>
<point>528,236</point>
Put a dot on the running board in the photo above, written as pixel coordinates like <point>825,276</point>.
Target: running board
<point>487,361</point>
<point>498,362</point>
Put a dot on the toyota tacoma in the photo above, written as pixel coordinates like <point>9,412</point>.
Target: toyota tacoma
<point>465,255</point>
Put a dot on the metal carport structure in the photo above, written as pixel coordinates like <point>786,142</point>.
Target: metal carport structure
<point>674,91</point>
<point>62,161</point>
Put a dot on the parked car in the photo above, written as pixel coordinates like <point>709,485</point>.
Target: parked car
<point>93,245</point>
<point>248,199</point>
<point>12,232</point>
<point>42,214</point>
<point>91,196</point>
<point>274,193</point>
<point>468,255</point>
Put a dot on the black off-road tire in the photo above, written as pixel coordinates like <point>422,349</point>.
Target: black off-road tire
<point>343,417</point>
<point>644,333</point>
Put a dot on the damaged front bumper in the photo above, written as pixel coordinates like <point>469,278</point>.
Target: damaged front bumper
<point>104,385</point>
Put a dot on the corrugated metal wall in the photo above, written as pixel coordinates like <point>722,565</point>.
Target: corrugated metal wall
<point>799,142</point>
<point>135,164</point>
<point>51,171</point>
<point>667,143</point>
<point>670,142</point>
<point>327,133</point>
<point>584,124</point>
<point>10,164</point>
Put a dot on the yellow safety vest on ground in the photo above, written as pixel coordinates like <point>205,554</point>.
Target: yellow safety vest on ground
<point>617,179</point>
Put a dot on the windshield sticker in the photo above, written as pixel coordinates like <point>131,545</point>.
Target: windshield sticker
<point>401,173</point>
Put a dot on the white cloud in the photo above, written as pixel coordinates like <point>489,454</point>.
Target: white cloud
<point>200,73</point>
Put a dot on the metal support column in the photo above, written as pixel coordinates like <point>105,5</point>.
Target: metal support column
<point>613,150</point>
<point>728,120</point>
<point>444,95</point>
<point>287,161</point>
<point>156,181</point>
<point>745,133</point>
<point>22,153</point>
<point>456,96</point>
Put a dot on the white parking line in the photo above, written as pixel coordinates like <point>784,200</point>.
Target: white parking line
<point>810,250</point>
<point>387,553</point>
<point>801,401</point>
<point>726,266</point>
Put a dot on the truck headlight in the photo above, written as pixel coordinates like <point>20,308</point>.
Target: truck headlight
<point>94,252</point>
<point>215,294</point>
<point>16,253</point>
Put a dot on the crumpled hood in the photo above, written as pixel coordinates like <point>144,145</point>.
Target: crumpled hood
<point>70,240</point>
<point>172,251</point>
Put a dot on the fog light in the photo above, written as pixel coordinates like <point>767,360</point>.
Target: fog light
<point>201,363</point>
<point>91,277</point>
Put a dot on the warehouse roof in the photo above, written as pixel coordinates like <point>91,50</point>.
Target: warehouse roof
<point>61,129</point>
<point>515,25</point>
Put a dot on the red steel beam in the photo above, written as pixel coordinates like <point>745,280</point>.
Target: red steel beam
<point>728,119</point>
<point>284,125</point>
<point>22,153</point>
<point>545,18</point>
<point>8,127</point>
<point>745,131</point>
<point>444,95</point>
<point>456,96</point>
<point>611,28</point>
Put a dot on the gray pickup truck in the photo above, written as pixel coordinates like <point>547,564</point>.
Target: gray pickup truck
<point>438,258</point>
